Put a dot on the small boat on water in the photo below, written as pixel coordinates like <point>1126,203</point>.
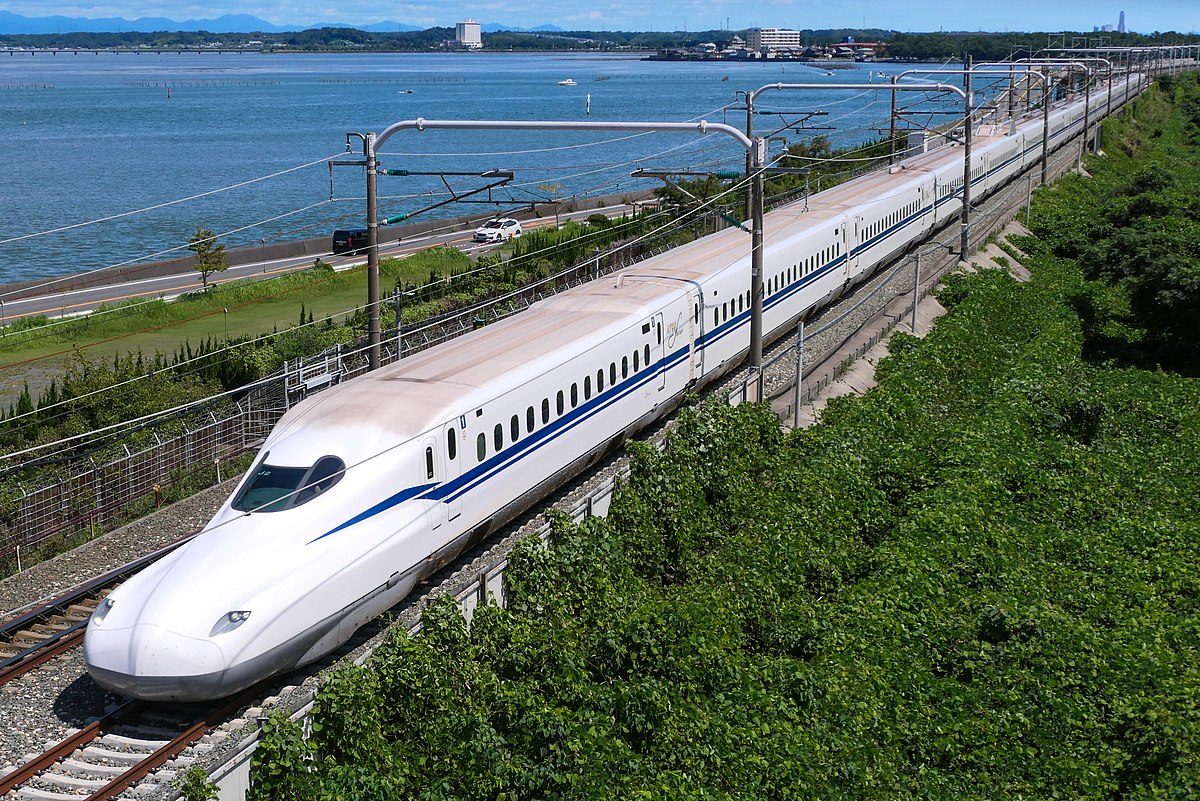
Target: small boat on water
<point>567,82</point>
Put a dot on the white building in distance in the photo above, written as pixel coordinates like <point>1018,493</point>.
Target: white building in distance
<point>767,40</point>
<point>467,35</point>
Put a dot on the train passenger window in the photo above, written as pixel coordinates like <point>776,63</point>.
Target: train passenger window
<point>529,420</point>
<point>716,316</point>
<point>498,437</point>
<point>647,355</point>
<point>514,428</point>
<point>574,394</point>
<point>451,443</point>
<point>636,366</point>
<point>429,462</point>
<point>624,367</point>
<point>558,403</point>
<point>740,307</point>
<point>600,380</point>
<point>273,488</point>
<point>587,387</point>
<point>481,447</point>
<point>612,373</point>
<point>724,312</point>
<point>545,411</point>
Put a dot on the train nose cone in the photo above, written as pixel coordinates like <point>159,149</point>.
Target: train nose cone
<point>154,664</point>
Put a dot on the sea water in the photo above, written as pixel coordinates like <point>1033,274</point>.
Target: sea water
<point>115,158</point>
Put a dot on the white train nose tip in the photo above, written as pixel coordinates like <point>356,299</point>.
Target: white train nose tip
<point>154,663</point>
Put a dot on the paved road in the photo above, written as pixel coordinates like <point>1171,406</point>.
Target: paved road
<point>82,301</point>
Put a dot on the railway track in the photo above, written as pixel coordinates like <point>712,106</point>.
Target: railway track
<point>56,626</point>
<point>118,750</point>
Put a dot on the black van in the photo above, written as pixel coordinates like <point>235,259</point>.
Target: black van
<point>352,241</point>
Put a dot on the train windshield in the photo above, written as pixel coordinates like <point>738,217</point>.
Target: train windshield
<point>272,488</point>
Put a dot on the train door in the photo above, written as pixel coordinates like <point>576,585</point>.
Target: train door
<point>453,438</point>
<point>695,331</point>
<point>853,237</point>
<point>657,322</point>
<point>432,471</point>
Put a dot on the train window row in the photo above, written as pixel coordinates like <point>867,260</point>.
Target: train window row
<point>775,283</point>
<point>891,219</point>
<point>721,313</point>
<point>639,357</point>
<point>949,188</point>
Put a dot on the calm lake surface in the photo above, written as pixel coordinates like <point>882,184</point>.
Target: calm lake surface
<point>87,137</point>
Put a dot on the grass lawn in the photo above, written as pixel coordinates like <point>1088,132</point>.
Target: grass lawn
<point>229,310</point>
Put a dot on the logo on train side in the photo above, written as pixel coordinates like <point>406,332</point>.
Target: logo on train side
<point>673,329</point>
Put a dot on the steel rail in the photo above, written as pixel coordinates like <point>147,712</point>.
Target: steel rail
<point>66,639</point>
<point>66,747</point>
<point>213,718</point>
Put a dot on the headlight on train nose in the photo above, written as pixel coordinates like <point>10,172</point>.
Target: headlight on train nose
<point>102,610</point>
<point>229,621</point>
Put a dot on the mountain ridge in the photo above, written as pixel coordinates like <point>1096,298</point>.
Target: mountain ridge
<point>226,23</point>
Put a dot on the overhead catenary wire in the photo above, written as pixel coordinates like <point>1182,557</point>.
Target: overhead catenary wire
<point>165,204</point>
<point>208,356</point>
<point>60,279</point>
<point>601,168</point>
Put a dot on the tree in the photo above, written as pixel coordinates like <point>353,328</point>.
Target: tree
<point>554,192</point>
<point>210,256</point>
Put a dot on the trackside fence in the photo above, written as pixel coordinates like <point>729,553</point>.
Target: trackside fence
<point>101,494</point>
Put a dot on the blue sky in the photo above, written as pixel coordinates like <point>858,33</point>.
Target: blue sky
<point>997,15</point>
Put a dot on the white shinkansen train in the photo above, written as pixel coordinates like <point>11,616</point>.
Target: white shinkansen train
<point>367,488</point>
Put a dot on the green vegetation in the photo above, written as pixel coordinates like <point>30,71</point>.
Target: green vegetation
<point>254,308</point>
<point>980,580</point>
<point>1135,223</point>
<point>194,785</point>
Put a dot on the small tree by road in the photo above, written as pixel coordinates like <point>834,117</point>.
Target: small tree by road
<point>554,191</point>
<point>210,256</point>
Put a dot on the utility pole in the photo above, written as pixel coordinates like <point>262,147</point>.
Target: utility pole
<point>368,161</point>
<point>759,153</point>
<point>965,240</point>
<point>757,147</point>
<point>892,122</point>
<point>373,333</point>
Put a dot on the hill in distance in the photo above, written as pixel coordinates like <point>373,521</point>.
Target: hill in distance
<point>228,23</point>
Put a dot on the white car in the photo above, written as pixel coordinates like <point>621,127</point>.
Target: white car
<point>499,229</point>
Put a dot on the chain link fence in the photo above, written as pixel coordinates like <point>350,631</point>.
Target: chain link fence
<point>100,495</point>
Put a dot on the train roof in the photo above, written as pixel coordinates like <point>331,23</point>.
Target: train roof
<point>411,397</point>
<point>428,388</point>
